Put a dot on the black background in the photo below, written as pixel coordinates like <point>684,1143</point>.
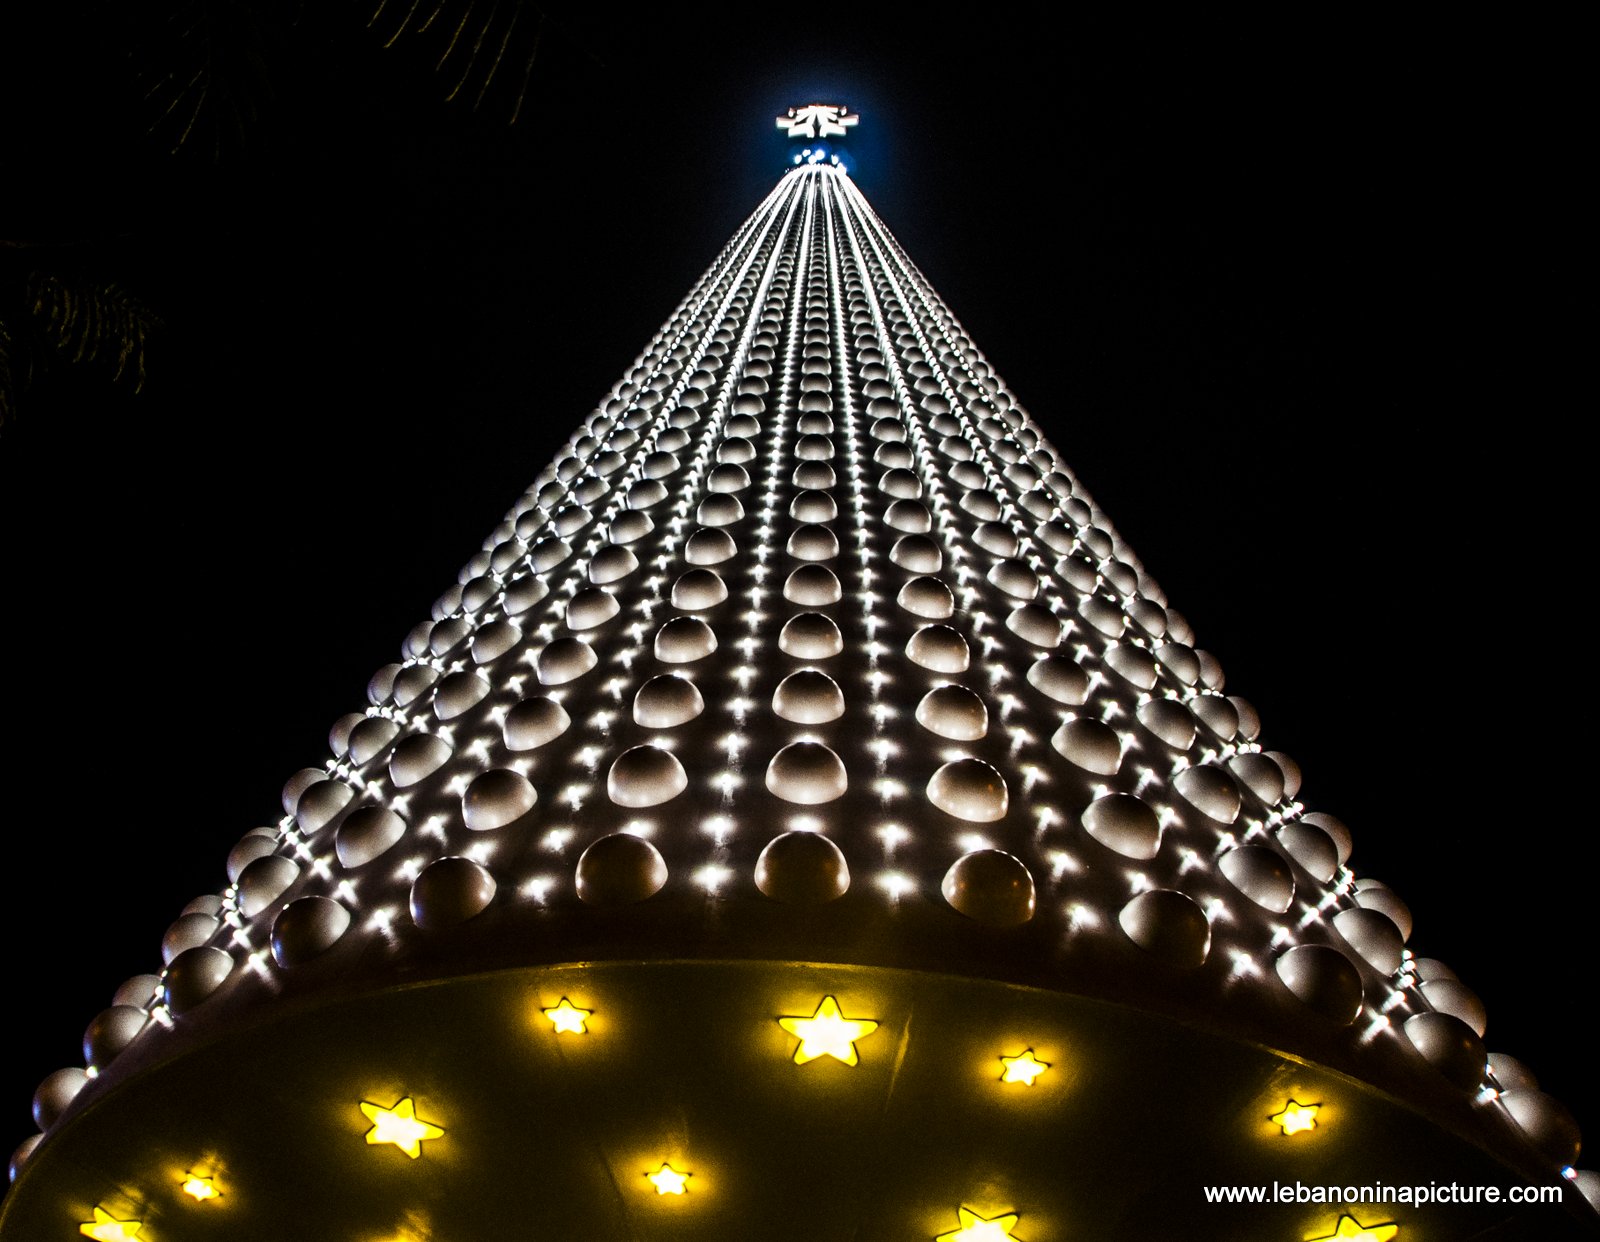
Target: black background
<point>1298,303</point>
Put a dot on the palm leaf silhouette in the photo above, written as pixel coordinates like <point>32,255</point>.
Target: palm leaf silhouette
<point>94,324</point>
<point>210,70</point>
<point>486,48</point>
<point>7,400</point>
<point>206,68</point>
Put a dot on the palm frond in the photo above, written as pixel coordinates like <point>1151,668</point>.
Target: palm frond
<point>7,397</point>
<point>404,21</point>
<point>482,51</point>
<point>205,72</point>
<point>93,324</point>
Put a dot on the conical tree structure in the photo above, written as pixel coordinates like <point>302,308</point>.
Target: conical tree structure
<point>805,818</point>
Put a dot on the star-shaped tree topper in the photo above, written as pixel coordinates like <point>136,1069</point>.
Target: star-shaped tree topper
<point>1352,1230</point>
<point>400,1126</point>
<point>975,1228</point>
<point>1295,1118</point>
<point>828,1033</point>
<point>818,121</point>
<point>107,1228</point>
<point>1023,1069</point>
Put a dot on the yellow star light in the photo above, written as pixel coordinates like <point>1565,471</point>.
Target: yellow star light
<point>399,1125</point>
<point>567,1018</point>
<point>1296,1117</point>
<point>1023,1069</point>
<point>668,1181</point>
<point>107,1228</point>
<point>200,1188</point>
<point>1352,1230</point>
<point>975,1228</point>
<point>828,1033</point>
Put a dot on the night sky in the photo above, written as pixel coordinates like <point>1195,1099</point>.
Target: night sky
<point>1298,305</point>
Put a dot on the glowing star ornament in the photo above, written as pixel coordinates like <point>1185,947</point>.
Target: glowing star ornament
<point>1023,1069</point>
<point>668,1181</point>
<point>567,1018</point>
<point>975,1228</point>
<point>1296,1118</point>
<point>1352,1230</point>
<point>107,1228</point>
<point>828,1033</point>
<point>200,1188</point>
<point>400,1126</point>
<point>817,121</point>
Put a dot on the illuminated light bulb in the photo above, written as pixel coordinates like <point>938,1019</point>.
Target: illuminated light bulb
<point>1081,917</point>
<point>1296,1118</point>
<point>1216,910</point>
<point>1024,1068</point>
<point>719,828</point>
<point>567,1018</point>
<point>537,889</point>
<point>107,1228</point>
<point>668,1181</point>
<point>200,1188</point>
<point>827,1033</point>
<point>399,1126</point>
<point>975,1228</point>
<point>1352,1230</point>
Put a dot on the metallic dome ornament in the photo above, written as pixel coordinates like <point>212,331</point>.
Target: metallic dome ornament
<point>808,682</point>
